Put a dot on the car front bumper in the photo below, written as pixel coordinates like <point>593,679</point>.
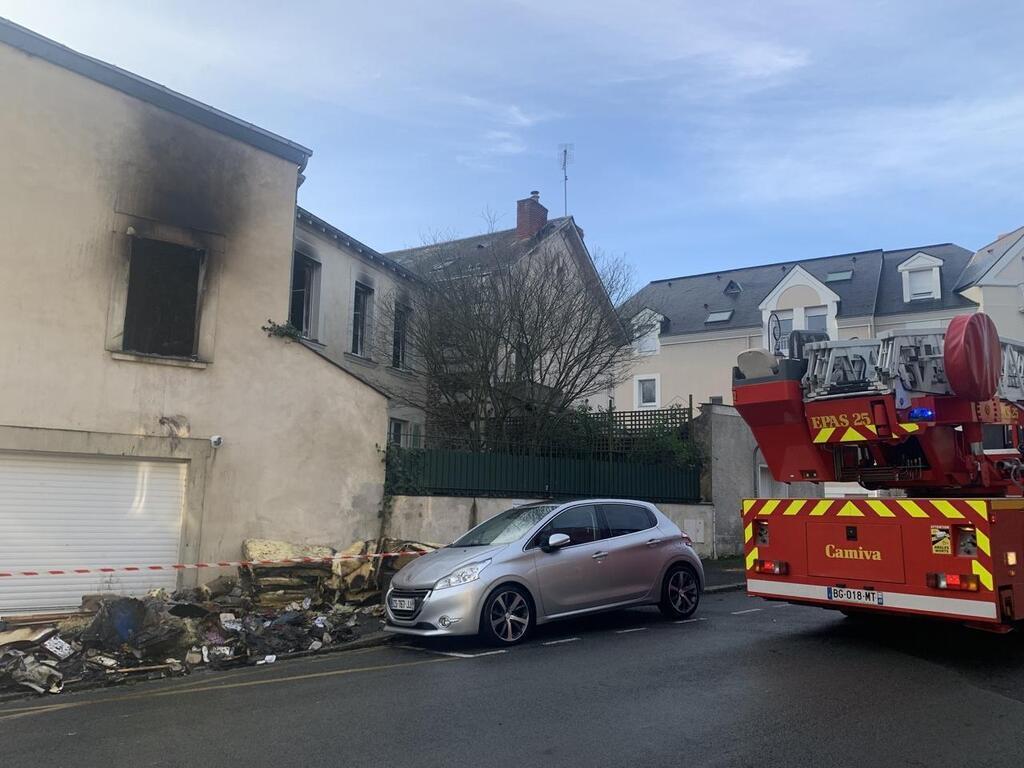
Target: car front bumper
<point>441,613</point>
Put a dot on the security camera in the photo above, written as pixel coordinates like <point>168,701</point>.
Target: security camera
<point>216,441</point>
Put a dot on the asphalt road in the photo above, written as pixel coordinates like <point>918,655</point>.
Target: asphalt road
<point>749,683</point>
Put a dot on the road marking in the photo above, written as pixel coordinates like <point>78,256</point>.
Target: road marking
<point>453,654</point>
<point>563,640</point>
<point>749,610</point>
<point>690,621</point>
<point>634,629</point>
<point>782,605</point>
<point>11,714</point>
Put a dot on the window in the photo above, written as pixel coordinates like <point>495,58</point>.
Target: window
<point>162,310</point>
<point>922,284</point>
<point>816,319</point>
<point>398,341</point>
<point>398,432</point>
<point>578,523</point>
<point>305,291</point>
<point>647,392</point>
<point>839,275</point>
<point>733,288</point>
<point>417,436</point>
<point>785,328</point>
<point>719,316</point>
<point>622,519</point>
<point>361,319</point>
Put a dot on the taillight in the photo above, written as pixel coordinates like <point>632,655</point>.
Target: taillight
<point>779,567</point>
<point>961,581</point>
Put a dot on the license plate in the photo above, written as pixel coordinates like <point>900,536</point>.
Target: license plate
<point>403,604</point>
<point>865,596</point>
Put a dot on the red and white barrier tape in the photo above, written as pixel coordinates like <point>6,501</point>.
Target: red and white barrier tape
<point>193,566</point>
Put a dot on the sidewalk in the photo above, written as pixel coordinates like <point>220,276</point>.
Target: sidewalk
<point>724,574</point>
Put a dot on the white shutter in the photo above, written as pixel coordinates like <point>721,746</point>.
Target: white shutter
<point>61,513</point>
<point>922,285</point>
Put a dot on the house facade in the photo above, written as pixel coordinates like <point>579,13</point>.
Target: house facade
<point>339,288</point>
<point>698,324</point>
<point>146,417</point>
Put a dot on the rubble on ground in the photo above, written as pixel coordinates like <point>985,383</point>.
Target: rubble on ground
<point>261,614</point>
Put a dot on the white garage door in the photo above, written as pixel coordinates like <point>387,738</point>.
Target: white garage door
<point>63,513</point>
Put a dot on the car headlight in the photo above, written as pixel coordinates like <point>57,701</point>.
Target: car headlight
<point>462,575</point>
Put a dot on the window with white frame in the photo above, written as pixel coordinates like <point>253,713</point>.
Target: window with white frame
<point>303,310</point>
<point>646,392</point>
<point>361,319</point>
<point>921,284</point>
<point>786,327</point>
<point>816,319</point>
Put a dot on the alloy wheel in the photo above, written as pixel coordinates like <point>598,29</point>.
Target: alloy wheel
<point>509,616</point>
<point>682,590</point>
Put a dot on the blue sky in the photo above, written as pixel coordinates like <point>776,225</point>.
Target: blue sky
<point>707,135</point>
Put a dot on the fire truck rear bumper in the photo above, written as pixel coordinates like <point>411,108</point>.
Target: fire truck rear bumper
<point>895,602</point>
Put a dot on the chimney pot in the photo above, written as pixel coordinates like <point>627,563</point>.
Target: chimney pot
<point>531,216</point>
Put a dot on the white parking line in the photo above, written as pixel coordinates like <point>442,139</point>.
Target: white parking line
<point>749,610</point>
<point>690,621</point>
<point>634,629</point>
<point>782,605</point>
<point>453,653</point>
<point>563,640</point>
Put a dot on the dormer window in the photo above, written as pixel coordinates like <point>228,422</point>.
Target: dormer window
<point>922,284</point>
<point>921,275</point>
<point>839,276</point>
<point>733,288</point>
<point>719,316</point>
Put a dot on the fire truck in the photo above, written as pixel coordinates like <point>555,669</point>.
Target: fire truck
<point>932,420</point>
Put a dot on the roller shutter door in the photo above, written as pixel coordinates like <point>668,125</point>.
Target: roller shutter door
<point>59,512</point>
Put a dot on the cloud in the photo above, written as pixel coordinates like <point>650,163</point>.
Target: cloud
<point>872,150</point>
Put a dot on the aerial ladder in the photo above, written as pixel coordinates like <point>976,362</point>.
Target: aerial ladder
<point>929,423</point>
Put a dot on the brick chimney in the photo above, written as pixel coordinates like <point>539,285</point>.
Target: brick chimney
<point>531,216</point>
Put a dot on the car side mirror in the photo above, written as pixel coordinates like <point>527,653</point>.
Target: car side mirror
<point>555,542</point>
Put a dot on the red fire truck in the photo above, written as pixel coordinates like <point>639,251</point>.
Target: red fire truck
<point>933,419</point>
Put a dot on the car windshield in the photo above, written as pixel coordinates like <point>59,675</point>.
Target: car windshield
<point>505,527</point>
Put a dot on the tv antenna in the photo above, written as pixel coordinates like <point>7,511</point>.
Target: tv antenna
<point>565,157</point>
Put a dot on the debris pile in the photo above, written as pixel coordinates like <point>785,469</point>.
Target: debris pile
<point>263,614</point>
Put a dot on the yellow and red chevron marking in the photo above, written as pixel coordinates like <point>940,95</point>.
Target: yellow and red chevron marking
<point>860,433</point>
<point>967,510</point>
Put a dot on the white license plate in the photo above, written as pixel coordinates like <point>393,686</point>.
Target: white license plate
<point>864,596</point>
<point>403,604</point>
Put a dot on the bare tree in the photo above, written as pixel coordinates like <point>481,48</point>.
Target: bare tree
<point>503,335</point>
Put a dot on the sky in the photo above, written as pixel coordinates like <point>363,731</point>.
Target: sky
<point>705,135</point>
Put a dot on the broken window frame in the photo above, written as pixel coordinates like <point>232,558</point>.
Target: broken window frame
<point>309,322</point>
<point>362,302</point>
<point>127,330</point>
<point>400,336</point>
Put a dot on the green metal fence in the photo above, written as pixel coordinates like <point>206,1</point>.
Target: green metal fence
<point>447,472</point>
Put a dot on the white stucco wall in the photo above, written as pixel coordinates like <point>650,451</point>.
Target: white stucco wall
<point>79,162</point>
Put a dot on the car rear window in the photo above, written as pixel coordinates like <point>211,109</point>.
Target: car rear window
<point>621,519</point>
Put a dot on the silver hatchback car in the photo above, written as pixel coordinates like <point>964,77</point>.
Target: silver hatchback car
<point>536,563</point>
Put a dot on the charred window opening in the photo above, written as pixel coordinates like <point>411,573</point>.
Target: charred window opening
<point>162,312</point>
<point>401,331</point>
<point>360,319</point>
<point>305,286</point>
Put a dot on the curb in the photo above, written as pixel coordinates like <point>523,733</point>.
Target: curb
<point>725,588</point>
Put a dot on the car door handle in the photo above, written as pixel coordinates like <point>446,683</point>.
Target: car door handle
<point>599,555</point>
<point>653,542</point>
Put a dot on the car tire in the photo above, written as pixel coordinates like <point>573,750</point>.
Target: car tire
<point>680,593</point>
<point>507,616</point>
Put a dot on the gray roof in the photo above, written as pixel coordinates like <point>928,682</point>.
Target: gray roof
<point>890,289</point>
<point>987,256</point>
<point>146,90</point>
<point>476,251</point>
<point>875,287</point>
